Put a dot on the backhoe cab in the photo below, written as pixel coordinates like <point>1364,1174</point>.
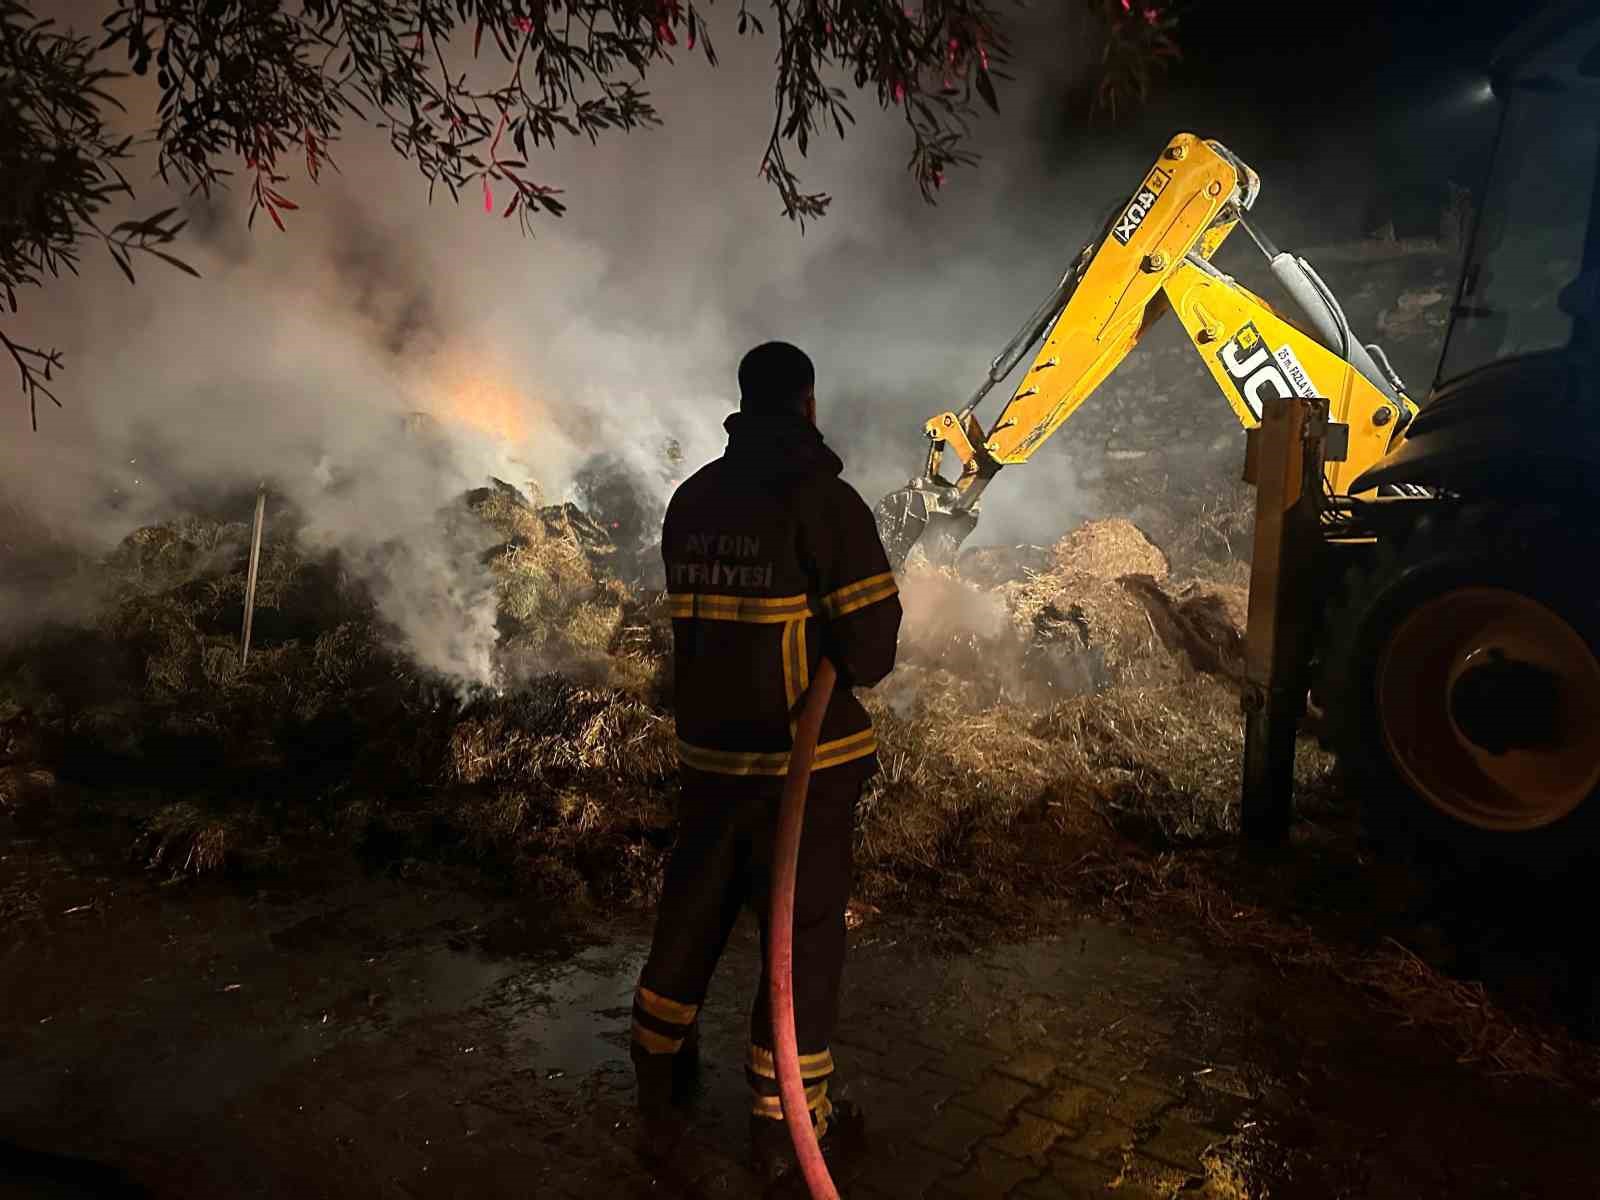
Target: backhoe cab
<point>1154,254</point>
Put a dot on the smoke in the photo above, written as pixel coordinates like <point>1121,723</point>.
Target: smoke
<point>297,358</point>
<point>938,606</point>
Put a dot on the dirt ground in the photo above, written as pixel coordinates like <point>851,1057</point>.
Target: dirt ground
<point>349,1035</point>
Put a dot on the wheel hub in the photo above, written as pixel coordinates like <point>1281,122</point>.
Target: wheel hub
<point>1489,705</point>
<point>1501,704</point>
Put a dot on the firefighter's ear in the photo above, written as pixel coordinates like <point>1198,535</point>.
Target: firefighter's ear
<point>811,406</point>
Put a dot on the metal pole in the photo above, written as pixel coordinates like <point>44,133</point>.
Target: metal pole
<point>250,580</point>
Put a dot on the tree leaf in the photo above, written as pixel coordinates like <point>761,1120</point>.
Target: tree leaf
<point>170,260</point>
<point>123,266</point>
<point>986,90</point>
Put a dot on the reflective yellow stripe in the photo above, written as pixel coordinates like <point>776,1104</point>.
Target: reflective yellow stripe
<point>734,762</point>
<point>786,651</point>
<point>754,610</point>
<point>772,1106</point>
<point>812,1066</point>
<point>796,665</point>
<point>654,1042</point>
<point>831,754</point>
<point>663,1009</point>
<point>859,594</point>
<point>802,658</point>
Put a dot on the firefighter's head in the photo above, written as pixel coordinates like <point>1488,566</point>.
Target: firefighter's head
<point>776,377</point>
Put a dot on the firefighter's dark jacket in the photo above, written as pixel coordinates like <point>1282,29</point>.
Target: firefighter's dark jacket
<point>772,562</point>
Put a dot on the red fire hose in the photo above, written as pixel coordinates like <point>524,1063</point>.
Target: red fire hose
<point>780,936</point>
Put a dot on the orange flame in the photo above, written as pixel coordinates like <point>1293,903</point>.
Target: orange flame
<point>486,403</point>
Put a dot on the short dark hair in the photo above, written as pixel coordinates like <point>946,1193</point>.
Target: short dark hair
<point>775,377</point>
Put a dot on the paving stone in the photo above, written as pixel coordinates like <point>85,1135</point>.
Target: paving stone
<point>1072,1179</point>
<point>996,1096</point>
<point>888,1104</point>
<point>1216,1111</point>
<point>1135,1103</point>
<point>1101,1065</point>
<point>1179,1143</point>
<point>1029,1137</point>
<point>990,1177</point>
<point>1146,1025</point>
<point>1173,1069</point>
<point>728,1178</point>
<point>1226,1080</point>
<point>1073,1105</point>
<point>1177,1089</point>
<point>1103,1142</point>
<point>901,1062</point>
<point>1037,1067</point>
<point>955,1131</point>
<point>968,1063</point>
<point>933,1091</point>
<point>1147,1179</point>
<point>1049,1188</point>
<point>904,1172</point>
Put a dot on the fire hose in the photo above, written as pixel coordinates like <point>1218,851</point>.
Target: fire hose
<point>780,936</point>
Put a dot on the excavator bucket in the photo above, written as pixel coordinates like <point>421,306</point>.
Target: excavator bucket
<point>919,513</point>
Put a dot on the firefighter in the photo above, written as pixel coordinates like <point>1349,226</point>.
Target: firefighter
<point>772,562</point>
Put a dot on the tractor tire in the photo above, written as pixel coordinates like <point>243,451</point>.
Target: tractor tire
<point>1461,674</point>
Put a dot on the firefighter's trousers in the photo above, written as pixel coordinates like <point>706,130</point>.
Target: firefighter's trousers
<point>722,861</point>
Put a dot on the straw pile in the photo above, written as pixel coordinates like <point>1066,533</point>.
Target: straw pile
<point>1088,693</point>
<point>560,606</point>
<point>1073,732</point>
<point>1079,600</point>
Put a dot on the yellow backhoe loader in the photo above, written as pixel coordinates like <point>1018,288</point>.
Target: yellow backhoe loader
<point>1154,255</point>
<point>1427,576</point>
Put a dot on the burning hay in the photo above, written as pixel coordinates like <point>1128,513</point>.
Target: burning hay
<point>1080,601</point>
<point>558,604</point>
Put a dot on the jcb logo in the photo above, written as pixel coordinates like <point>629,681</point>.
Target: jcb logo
<point>1256,370</point>
<point>1139,207</point>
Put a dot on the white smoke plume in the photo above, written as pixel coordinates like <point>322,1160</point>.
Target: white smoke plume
<point>296,357</point>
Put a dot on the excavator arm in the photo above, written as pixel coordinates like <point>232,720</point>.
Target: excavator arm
<point>1154,254</point>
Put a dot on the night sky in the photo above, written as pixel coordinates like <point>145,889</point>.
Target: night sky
<point>1368,106</point>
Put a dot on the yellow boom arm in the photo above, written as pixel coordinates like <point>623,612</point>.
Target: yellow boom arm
<point>1154,254</point>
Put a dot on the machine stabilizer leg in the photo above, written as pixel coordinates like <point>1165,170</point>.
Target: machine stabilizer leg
<point>1285,464</point>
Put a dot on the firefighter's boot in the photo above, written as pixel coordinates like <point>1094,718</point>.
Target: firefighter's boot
<point>842,1136</point>
<point>666,1083</point>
